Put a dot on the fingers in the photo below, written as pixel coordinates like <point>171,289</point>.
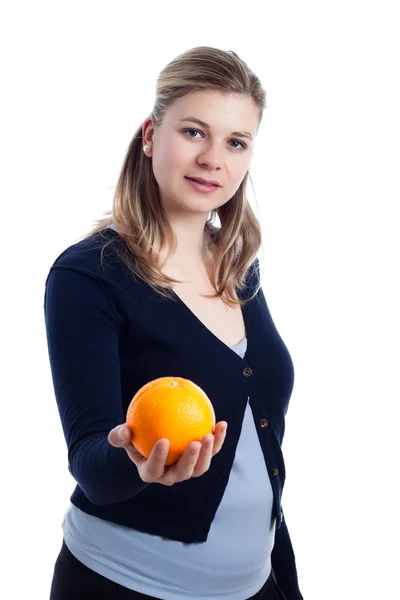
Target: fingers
<point>183,469</point>
<point>120,437</point>
<point>197,457</point>
<point>205,456</point>
<point>194,462</point>
<point>150,469</point>
<point>135,456</point>
<point>219,436</point>
<point>211,445</point>
<point>154,466</point>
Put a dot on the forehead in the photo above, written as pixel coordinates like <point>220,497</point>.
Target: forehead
<point>218,110</point>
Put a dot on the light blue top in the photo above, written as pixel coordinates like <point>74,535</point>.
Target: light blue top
<point>232,564</point>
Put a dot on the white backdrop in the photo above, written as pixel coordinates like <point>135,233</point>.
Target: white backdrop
<point>78,78</point>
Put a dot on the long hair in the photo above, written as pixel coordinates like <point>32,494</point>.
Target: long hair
<point>137,211</point>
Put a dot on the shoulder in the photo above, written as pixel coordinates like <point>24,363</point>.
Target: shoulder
<point>95,256</point>
<point>89,275</point>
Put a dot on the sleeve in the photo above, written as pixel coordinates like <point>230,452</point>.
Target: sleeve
<point>82,330</point>
<point>284,564</point>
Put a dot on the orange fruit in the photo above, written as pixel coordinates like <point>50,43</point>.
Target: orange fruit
<point>169,407</point>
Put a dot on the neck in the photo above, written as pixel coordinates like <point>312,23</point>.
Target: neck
<point>192,250</point>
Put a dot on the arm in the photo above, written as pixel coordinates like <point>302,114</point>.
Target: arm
<point>284,564</point>
<point>82,331</point>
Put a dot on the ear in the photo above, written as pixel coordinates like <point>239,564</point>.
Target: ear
<point>147,131</point>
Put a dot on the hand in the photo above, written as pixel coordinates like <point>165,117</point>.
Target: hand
<point>195,461</point>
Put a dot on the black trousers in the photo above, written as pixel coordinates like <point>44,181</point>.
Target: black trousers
<point>72,580</point>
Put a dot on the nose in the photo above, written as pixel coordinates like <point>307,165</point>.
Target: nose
<point>210,158</point>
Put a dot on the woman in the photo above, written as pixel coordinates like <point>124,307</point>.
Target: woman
<point>159,289</point>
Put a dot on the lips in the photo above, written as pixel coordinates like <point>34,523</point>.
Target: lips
<point>203,182</point>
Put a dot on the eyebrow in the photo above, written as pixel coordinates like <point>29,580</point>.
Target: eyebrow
<point>244,134</point>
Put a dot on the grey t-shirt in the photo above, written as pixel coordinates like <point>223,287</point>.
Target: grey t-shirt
<point>232,564</point>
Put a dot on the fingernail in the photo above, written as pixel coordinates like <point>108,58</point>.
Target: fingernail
<point>121,434</point>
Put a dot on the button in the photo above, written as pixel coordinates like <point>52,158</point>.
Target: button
<point>247,372</point>
<point>281,517</point>
<point>263,423</point>
<point>275,471</point>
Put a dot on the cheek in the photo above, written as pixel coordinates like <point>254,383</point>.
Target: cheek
<point>236,175</point>
<point>169,159</point>
<point>238,171</point>
<point>180,155</point>
<point>161,165</point>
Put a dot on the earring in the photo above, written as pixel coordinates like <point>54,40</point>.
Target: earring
<point>146,148</point>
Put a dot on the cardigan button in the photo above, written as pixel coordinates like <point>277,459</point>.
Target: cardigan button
<point>275,471</point>
<point>247,372</point>
<point>263,423</point>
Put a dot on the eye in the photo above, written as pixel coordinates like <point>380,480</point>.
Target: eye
<point>241,144</point>
<point>238,142</point>
<point>191,131</point>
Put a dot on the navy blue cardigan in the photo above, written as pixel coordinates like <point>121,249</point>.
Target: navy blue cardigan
<point>108,334</point>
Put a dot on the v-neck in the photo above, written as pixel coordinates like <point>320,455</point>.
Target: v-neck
<point>208,333</point>
<point>202,327</point>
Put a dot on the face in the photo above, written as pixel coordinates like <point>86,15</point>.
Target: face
<point>218,149</point>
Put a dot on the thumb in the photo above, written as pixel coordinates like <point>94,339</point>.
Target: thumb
<point>120,436</point>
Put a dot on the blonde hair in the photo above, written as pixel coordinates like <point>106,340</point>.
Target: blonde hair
<point>137,211</point>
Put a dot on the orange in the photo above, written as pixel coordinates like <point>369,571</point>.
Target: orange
<point>169,407</point>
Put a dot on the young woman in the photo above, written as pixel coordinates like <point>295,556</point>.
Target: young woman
<point>157,289</point>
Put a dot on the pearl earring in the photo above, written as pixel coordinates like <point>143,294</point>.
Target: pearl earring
<point>146,148</point>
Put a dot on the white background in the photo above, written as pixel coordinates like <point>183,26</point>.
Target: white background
<point>78,78</point>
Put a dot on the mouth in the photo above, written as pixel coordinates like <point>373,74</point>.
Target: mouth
<point>204,182</point>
